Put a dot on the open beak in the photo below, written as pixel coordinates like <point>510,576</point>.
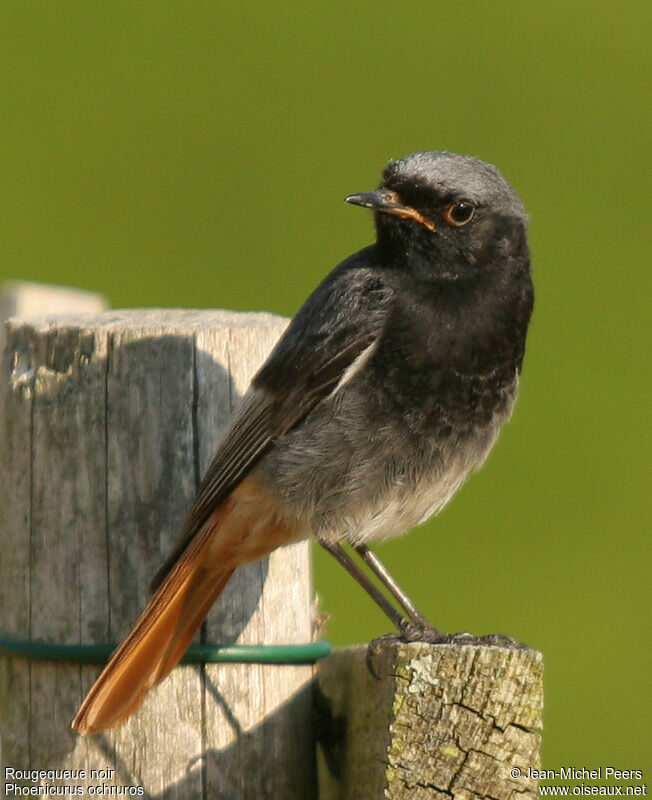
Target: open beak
<point>388,202</point>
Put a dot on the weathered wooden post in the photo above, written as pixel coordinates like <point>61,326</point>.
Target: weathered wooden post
<point>107,422</point>
<point>442,721</point>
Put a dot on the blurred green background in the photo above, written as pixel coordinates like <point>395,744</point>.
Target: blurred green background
<point>197,154</point>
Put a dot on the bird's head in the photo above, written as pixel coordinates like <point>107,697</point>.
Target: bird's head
<point>447,215</point>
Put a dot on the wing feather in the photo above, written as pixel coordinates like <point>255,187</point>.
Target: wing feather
<point>338,322</point>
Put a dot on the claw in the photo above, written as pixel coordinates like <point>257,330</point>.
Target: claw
<point>409,632</point>
<point>502,640</point>
<point>369,661</point>
<point>375,646</point>
<point>412,632</point>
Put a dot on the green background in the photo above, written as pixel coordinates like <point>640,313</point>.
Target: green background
<point>197,154</point>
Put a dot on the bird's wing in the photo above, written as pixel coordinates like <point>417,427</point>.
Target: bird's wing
<point>339,321</point>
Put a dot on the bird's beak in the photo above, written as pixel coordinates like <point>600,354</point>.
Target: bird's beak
<point>388,202</point>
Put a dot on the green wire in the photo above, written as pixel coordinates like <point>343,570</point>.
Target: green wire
<point>196,653</point>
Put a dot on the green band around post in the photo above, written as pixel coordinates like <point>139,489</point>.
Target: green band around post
<point>196,653</point>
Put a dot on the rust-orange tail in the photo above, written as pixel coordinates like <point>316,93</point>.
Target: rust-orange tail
<point>157,641</point>
<point>244,528</point>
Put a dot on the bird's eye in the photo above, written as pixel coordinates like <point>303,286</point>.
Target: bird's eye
<point>459,213</point>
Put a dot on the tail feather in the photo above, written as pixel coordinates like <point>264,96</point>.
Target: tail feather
<point>206,595</point>
<point>243,528</point>
<point>156,643</point>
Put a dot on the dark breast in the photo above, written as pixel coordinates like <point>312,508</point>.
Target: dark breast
<point>447,367</point>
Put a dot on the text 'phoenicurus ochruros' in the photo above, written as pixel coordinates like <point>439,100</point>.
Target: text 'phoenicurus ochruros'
<point>388,387</point>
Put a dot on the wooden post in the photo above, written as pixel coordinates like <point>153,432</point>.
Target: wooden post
<point>107,423</point>
<point>24,298</point>
<point>443,721</point>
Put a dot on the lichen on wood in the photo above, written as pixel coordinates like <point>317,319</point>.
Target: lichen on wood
<point>443,721</point>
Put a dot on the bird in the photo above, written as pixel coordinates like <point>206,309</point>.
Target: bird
<point>388,387</point>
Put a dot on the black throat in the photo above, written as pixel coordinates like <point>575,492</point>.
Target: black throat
<point>456,337</point>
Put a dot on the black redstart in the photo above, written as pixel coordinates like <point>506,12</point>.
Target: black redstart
<point>388,387</point>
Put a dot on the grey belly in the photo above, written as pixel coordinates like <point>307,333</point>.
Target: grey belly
<point>343,475</point>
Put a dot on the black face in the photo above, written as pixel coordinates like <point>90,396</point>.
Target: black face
<point>447,216</point>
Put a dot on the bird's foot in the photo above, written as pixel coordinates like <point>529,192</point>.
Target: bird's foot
<point>412,632</point>
<point>489,640</point>
<point>409,632</point>
<point>375,647</point>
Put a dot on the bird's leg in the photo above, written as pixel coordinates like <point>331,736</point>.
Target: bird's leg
<point>413,627</point>
<point>390,583</point>
<point>422,630</point>
<point>338,552</point>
